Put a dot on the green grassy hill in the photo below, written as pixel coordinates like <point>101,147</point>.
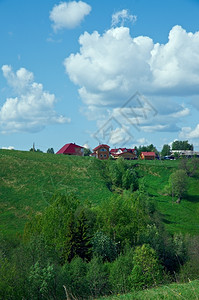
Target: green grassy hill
<point>28,180</point>
<point>171,292</point>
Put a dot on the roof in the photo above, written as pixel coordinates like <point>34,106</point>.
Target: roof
<point>148,153</point>
<point>68,149</point>
<point>101,146</point>
<point>123,150</point>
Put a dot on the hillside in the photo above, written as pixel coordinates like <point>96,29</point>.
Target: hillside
<point>28,181</point>
<point>171,292</point>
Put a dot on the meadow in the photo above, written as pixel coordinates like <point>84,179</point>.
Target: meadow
<point>29,180</point>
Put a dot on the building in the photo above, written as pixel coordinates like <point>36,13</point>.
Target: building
<point>185,153</point>
<point>101,152</point>
<point>147,155</point>
<point>71,149</point>
<point>128,154</point>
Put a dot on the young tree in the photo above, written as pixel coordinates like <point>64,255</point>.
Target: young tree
<point>147,270</point>
<point>178,184</point>
<point>166,150</point>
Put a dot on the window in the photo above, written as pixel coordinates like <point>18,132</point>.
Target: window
<point>102,149</point>
<point>104,155</point>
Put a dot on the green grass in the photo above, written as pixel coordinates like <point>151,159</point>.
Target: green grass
<point>171,292</point>
<point>28,181</point>
<point>183,217</point>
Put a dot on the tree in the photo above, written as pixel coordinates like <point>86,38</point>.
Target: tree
<point>178,184</point>
<point>147,270</point>
<point>87,152</point>
<point>182,145</point>
<point>50,150</point>
<point>166,150</point>
<point>190,166</point>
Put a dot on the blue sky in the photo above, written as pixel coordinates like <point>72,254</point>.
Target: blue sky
<point>124,73</point>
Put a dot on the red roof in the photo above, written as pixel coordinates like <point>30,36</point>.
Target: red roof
<point>101,146</point>
<point>68,149</point>
<point>148,153</point>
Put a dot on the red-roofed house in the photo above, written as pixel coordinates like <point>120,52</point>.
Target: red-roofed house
<point>101,151</point>
<point>147,155</point>
<point>71,149</point>
<point>124,152</point>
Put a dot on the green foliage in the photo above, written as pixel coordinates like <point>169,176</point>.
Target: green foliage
<point>147,270</point>
<point>123,175</point>
<point>189,165</point>
<point>120,271</point>
<point>166,150</point>
<point>97,276</point>
<point>182,145</point>
<point>50,151</point>
<point>103,246</point>
<point>64,228</point>
<point>122,218</point>
<point>73,277</point>
<point>87,152</point>
<point>41,281</point>
<point>149,148</point>
<point>178,184</point>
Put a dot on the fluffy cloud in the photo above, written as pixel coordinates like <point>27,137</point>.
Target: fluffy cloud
<point>32,108</point>
<point>122,16</point>
<point>189,133</point>
<point>69,14</point>
<point>117,65</point>
<point>110,67</point>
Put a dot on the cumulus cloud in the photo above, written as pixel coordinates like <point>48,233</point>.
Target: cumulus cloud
<point>69,14</point>
<point>117,65</point>
<point>32,108</point>
<point>189,133</point>
<point>122,16</point>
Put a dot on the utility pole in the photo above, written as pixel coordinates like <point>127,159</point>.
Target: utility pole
<point>33,148</point>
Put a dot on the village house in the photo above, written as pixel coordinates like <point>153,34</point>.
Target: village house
<point>71,149</point>
<point>128,154</point>
<point>101,152</point>
<point>147,155</point>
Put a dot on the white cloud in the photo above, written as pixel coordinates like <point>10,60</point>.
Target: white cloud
<point>122,16</point>
<point>142,141</point>
<point>8,148</point>
<point>189,133</point>
<point>32,108</point>
<point>117,65</point>
<point>69,14</point>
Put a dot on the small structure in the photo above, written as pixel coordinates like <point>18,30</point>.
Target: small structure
<point>147,155</point>
<point>101,152</point>
<point>128,154</point>
<point>71,149</point>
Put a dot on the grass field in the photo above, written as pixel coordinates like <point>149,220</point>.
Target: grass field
<point>28,180</point>
<point>170,292</point>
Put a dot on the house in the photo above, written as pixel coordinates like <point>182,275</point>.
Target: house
<point>185,153</point>
<point>128,154</point>
<point>147,155</point>
<point>71,149</point>
<point>101,152</point>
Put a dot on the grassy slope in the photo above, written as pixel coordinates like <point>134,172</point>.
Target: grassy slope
<point>28,180</point>
<point>183,217</point>
<point>171,292</point>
